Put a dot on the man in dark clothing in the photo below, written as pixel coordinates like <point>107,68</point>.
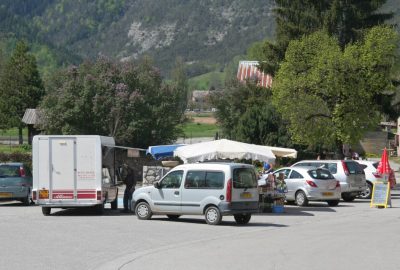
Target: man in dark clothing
<point>130,183</point>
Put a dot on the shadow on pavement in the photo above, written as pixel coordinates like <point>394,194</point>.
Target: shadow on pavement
<point>201,221</point>
<point>87,212</point>
<point>14,204</point>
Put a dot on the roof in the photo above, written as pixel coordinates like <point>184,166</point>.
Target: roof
<point>249,69</point>
<point>31,117</point>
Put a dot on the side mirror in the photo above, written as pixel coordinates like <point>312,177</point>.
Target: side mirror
<point>157,185</point>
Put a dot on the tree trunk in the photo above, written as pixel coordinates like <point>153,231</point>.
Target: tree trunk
<point>339,150</point>
<point>20,137</point>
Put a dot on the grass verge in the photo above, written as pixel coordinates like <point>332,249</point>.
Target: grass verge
<point>195,130</point>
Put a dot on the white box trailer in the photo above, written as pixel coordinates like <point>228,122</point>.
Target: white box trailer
<point>74,171</point>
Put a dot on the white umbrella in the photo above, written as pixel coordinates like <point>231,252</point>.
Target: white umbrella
<point>224,149</point>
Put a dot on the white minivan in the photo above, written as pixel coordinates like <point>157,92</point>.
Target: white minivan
<point>210,189</point>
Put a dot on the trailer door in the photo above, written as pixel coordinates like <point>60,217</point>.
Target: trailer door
<point>63,169</point>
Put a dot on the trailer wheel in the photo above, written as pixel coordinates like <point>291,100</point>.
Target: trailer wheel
<point>99,208</point>
<point>114,204</point>
<point>46,211</point>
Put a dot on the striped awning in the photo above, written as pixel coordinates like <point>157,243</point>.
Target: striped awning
<point>249,70</point>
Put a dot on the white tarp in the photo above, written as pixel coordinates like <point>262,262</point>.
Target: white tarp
<point>224,149</point>
<point>283,152</point>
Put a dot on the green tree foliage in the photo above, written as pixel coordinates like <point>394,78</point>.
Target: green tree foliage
<point>344,19</point>
<point>129,102</point>
<point>328,95</point>
<point>21,87</point>
<point>245,113</point>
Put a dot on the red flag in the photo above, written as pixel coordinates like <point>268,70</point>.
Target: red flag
<point>384,166</point>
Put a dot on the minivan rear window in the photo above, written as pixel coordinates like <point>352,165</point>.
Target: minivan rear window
<point>244,178</point>
<point>354,167</point>
<point>320,174</point>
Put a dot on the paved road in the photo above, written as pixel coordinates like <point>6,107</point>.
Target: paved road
<point>350,236</point>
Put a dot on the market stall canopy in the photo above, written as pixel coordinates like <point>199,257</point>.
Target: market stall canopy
<point>161,151</point>
<point>283,152</point>
<point>224,149</point>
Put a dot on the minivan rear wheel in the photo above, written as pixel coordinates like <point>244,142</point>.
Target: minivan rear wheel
<point>242,218</point>
<point>213,215</point>
<point>143,211</point>
<point>301,198</point>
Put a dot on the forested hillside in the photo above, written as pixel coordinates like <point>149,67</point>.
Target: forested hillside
<point>206,34</point>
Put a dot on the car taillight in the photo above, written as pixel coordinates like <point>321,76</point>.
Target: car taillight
<point>311,183</point>
<point>337,184</point>
<point>377,175</point>
<point>21,172</point>
<point>229,191</point>
<point>98,195</point>
<point>346,170</point>
<point>34,195</point>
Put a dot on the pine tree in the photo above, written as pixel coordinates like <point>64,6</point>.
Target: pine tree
<point>21,87</point>
<point>346,20</point>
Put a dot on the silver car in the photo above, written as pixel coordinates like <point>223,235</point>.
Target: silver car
<point>306,184</point>
<point>349,173</point>
<point>15,182</point>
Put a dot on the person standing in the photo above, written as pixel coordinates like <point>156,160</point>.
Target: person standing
<point>130,183</point>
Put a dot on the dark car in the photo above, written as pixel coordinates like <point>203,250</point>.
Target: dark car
<point>15,182</point>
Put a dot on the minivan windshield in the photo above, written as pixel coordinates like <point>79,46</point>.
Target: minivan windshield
<point>320,174</point>
<point>244,178</point>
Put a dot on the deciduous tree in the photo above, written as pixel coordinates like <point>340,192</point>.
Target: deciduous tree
<point>246,114</point>
<point>328,96</point>
<point>127,101</point>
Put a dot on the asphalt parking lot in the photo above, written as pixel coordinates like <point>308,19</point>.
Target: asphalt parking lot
<point>350,236</point>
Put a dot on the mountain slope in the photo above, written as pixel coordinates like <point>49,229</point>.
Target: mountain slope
<point>205,33</point>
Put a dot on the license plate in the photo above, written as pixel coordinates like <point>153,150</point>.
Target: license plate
<point>5,194</point>
<point>327,193</point>
<point>246,195</point>
<point>43,194</point>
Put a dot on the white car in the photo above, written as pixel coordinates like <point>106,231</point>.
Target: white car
<point>306,184</point>
<point>372,176</point>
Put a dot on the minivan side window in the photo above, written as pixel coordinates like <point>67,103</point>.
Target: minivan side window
<point>244,178</point>
<point>172,180</point>
<point>204,180</point>
<point>332,167</point>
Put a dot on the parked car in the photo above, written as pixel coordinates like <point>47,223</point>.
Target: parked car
<point>372,176</point>
<point>306,184</point>
<point>210,189</point>
<point>349,173</point>
<point>15,182</point>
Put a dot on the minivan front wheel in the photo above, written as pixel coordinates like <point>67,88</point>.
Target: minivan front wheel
<point>242,218</point>
<point>213,215</point>
<point>143,211</point>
